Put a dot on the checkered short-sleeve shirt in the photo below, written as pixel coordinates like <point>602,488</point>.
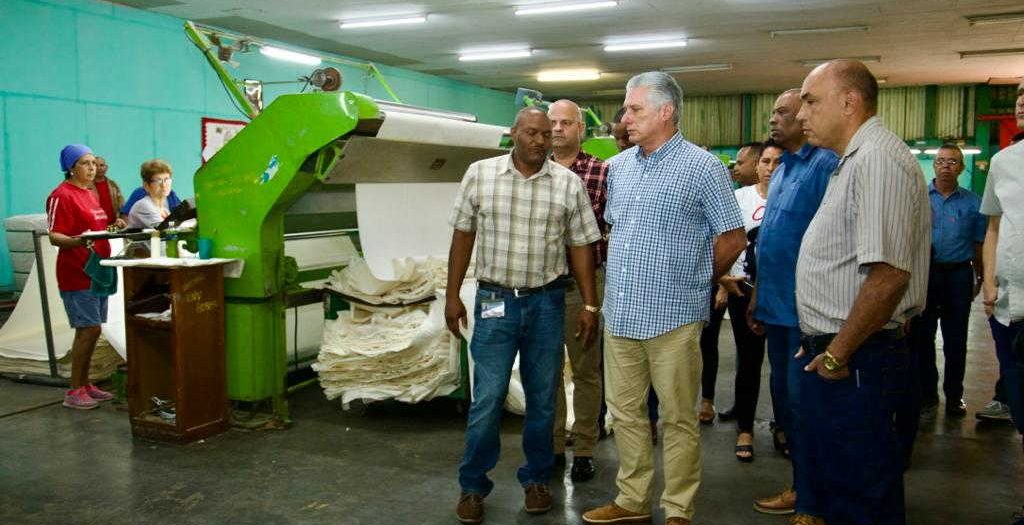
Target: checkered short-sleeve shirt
<point>523,224</point>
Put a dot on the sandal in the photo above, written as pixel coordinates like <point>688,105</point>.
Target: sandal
<point>747,450</point>
<point>707,412</point>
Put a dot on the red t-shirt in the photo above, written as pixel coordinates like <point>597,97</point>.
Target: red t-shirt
<point>103,189</point>
<point>72,210</point>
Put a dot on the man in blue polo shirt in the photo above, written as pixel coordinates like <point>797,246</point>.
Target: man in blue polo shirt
<point>795,191</point>
<point>954,279</point>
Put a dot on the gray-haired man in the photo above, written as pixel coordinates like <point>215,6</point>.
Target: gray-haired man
<point>676,228</point>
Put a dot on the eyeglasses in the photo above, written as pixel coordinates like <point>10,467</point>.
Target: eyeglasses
<point>162,182</point>
<point>946,162</point>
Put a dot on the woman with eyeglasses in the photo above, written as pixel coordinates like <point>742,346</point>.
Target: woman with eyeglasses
<point>152,209</point>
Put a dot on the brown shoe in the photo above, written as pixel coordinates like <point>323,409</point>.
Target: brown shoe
<point>470,508</point>
<point>613,513</point>
<point>677,521</point>
<point>806,519</point>
<point>779,504</point>
<point>538,499</point>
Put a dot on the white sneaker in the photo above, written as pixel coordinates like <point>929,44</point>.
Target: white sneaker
<point>994,411</point>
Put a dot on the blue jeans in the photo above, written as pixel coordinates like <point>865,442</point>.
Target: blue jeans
<point>851,443</point>
<point>532,327</point>
<point>1011,366</point>
<point>783,342</point>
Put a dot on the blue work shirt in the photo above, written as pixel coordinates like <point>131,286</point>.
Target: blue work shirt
<point>794,194</point>
<point>956,224</point>
<point>172,200</point>
<point>665,210</point>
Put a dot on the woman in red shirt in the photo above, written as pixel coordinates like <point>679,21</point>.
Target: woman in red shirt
<point>73,208</point>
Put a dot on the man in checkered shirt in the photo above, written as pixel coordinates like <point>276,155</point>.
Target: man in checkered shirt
<point>521,211</point>
<point>567,130</point>
<point>675,229</point>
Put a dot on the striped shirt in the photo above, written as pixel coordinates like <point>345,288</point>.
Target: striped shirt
<point>1004,197</point>
<point>875,210</point>
<point>594,174</point>
<point>665,210</point>
<point>522,224</point>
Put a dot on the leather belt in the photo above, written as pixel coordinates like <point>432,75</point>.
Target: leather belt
<point>558,284</point>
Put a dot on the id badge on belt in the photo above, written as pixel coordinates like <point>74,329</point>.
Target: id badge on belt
<point>492,309</point>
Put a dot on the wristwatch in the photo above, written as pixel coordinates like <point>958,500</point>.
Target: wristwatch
<point>592,309</point>
<point>831,363</point>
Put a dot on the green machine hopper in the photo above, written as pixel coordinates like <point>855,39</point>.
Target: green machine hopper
<point>302,149</point>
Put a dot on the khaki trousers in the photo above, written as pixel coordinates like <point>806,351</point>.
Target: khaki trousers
<point>586,380</point>
<point>670,362</point>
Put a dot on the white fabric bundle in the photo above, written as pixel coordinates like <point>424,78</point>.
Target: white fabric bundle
<point>388,353</point>
<point>414,281</point>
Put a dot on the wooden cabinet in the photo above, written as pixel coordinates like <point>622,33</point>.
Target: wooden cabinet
<point>177,389</point>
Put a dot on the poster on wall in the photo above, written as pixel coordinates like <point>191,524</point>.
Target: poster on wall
<point>216,133</point>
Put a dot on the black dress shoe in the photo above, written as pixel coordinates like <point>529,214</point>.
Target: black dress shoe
<point>957,408</point>
<point>727,415</point>
<point>582,469</point>
<point>560,460</point>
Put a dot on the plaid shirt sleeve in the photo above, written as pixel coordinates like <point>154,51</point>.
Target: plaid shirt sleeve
<point>720,206</point>
<point>464,212</point>
<point>582,223</point>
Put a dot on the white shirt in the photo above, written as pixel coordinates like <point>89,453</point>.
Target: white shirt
<point>752,210</point>
<point>1004,197</point>
<point>145,214</point>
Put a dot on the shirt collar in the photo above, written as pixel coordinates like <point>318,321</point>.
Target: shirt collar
<point>510,167</point>
<point>803,153</point>
<point>581,156</point>
<point>861,135</point>
<point>933,189</point>
<point>655,157</point>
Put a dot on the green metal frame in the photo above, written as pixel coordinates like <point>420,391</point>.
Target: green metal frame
<point>241,196</point>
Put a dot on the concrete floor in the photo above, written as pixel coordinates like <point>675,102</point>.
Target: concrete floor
<point>395,464</point>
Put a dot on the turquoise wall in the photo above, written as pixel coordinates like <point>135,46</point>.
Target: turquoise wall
<point>130,85</point>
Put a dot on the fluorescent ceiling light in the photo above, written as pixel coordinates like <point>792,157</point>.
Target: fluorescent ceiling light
<point>470,56</point>
<point>882,80</point>
<point>290,56</point>
<point>568,75</point>
<point>915,151</point>
<point>991,53</point>
<point>819,30</point>
<point>694,69</point>
<point>1001,18</point>
<point>377,22</point>
<point>819,61</point>
<point>648,44</point>
<point>544,9</point>
<point>966,150</point>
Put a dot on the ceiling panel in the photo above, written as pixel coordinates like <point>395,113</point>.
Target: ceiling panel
<point>918,40</point>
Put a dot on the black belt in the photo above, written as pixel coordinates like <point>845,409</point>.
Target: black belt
<point>558,284</point>
<point>941,266</point>
<point>818,343</point>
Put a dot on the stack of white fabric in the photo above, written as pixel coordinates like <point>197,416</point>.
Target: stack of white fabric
<point>389,351</point>
<point>414,281</point>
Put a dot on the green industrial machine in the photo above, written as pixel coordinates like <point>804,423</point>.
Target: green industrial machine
<point>293,168</point>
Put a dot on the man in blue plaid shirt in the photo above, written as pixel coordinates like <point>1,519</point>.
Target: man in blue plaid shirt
<point>675,228</point>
